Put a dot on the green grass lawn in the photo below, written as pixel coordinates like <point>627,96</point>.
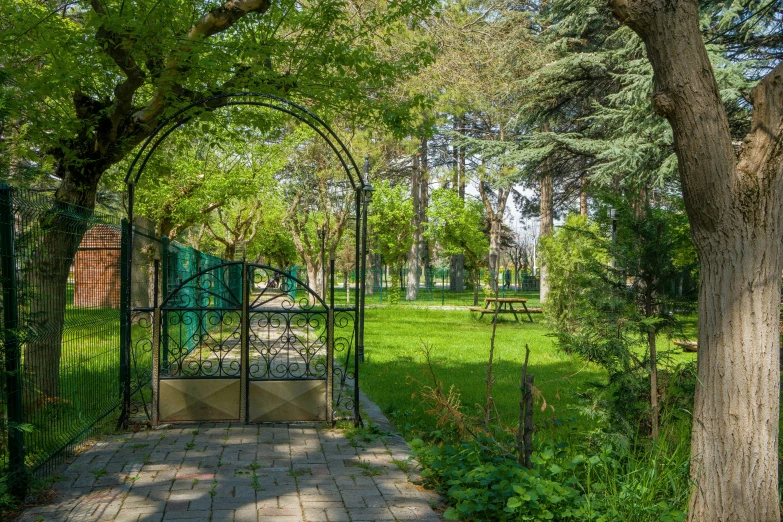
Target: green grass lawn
<point>460,348</point>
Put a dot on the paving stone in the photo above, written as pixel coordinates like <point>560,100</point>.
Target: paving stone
<point>237,473</point>
<point>375,515</point>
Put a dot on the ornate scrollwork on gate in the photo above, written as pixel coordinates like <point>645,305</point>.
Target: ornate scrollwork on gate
<point>201,343</point>
<point>201,327</point>
<point>287,345</point>
<point>140,360</point>
<point>217,287</point>
<point>344,362</point>
<point>287,327</point>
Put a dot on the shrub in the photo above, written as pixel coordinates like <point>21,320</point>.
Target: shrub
<point>483,482</point>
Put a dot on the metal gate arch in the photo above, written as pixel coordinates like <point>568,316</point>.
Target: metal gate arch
<point>243,342</point>
<point>236,302</point>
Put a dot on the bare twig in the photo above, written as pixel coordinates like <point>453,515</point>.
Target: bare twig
<point>522,405</point>
<point>490,380</point>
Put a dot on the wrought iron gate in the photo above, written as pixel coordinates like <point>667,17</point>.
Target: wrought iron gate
<point>250,343</point>
<point>214,335</point>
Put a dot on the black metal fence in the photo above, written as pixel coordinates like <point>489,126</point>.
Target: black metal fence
<point>434,285</point>
<point>61,365</point>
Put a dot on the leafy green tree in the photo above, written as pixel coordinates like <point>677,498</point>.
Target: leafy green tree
<point>577,258</point>
<point>457,225</point>
<point>94,79</point>
<point>609,301</point>
<point>392,226</point>
<point>732,182</point>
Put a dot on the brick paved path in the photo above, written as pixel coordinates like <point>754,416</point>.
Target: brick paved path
<point>239,473</point>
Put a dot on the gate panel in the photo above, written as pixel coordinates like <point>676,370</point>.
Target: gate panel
<point>200,362</point>
<point>199,399</point>
<point>288,347</point>
<point>271,401</point>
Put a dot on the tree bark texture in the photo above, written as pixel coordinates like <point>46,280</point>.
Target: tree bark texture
<point>461,164</point>
<point>583,196</point>
<point>495,215</point>
<point>414,255</point>
<point>734,207</point>
<point>457,273</point>
<point>424,195</point>
<point>546,224</point>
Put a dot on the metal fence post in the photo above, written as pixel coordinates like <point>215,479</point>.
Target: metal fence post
<point>17,476</point>
<point>124,284</point>
<point>164,292</point>
<point>443,287</point>
<point>330,348</point>
<point>244,342</point>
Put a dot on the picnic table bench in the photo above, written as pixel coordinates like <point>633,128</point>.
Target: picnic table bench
<point>687,346</point>
<point>504,305</point>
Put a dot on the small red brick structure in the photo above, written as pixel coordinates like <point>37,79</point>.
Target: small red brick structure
<point>96,269</point>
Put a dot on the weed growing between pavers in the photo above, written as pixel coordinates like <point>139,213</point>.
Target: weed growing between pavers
<point>369,470</point>
<point>402,465</point>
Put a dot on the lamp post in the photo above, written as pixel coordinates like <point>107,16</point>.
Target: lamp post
<point>366,197</point>
<point>367,190</point>
<point>322,238</point>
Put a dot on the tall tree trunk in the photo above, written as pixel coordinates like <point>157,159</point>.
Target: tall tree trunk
<point>315,278</point>
<point>461,166</point>
<point>457,262</point>
<point>546,224</point>
<point>583,195</point>
<point>51,252</point>
<point>457,273</point>
<point>424,194</point>
<point>495,230</point>
<point>414,254</point>
<point>733,203</point>
<point>476,276</point>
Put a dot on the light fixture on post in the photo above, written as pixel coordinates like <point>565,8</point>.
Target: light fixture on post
<point>322,238</point>
<point>367,190</point>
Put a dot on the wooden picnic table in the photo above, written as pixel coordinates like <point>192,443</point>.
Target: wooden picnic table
<point>504,305</point>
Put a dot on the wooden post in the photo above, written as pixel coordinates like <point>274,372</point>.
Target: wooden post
<point>525,428</point>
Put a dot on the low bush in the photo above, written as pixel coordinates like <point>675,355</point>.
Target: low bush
<point>481,481</point>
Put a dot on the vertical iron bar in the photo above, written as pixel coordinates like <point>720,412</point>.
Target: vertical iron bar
<point>330,349</point>
<point>156,326</point>
<point>126,347</point>
<point>155,281</point>
<point>155,365</point>
<point>357,287</point>
<point>322,233</point>
<point>17,473</point>
<point>164,292</point>
<point>123,302</point>
<point>359,357</point>
<point>442,286</point>
<point>244,370</point>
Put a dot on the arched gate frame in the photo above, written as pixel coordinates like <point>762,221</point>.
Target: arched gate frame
<point>258,343</point>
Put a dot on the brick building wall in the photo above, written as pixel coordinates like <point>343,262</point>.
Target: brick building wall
<point>96,269</point>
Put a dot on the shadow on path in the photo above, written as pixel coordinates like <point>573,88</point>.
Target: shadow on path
<point>237,473</point>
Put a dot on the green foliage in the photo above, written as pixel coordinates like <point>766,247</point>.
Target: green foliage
<point>457,226</point>
<point>392,226</point>
<point>589,105</point>
<point>605,313</point>
<point>482,482</point>
<point>109,71</point>
<point>575,259</point>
